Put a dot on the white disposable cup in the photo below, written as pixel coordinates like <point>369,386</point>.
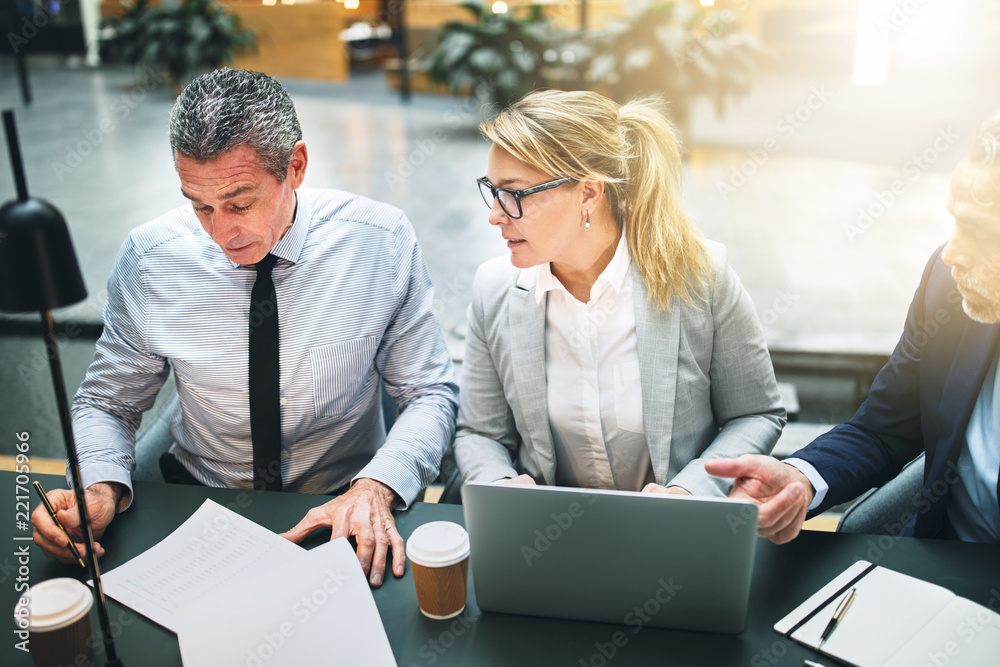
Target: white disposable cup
<point>57,614</point>
<point>439,558</point>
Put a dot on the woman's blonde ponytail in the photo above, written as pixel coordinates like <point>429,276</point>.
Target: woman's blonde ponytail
<point>666,247</point>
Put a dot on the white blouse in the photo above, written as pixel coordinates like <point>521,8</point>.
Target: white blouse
<point>592,378</point>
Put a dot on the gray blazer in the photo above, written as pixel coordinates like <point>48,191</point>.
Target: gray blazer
<point>708,388</point>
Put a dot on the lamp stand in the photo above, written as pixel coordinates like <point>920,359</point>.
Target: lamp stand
<point>111,658</point>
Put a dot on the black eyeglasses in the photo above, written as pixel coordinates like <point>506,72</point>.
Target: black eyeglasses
<point>510,200</point>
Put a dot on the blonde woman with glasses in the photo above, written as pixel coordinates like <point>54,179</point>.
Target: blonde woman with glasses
<point>613,347</point>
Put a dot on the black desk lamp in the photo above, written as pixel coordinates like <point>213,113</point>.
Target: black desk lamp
<point>39,271</point>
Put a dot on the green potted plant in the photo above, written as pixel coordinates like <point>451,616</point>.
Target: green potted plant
<point>498,57</point>
<point>675,50</point>
<point>179,37</point>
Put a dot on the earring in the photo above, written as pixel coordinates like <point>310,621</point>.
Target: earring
<point>588,220</point>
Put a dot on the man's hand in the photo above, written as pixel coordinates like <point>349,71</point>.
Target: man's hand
<point>366,513</point>
<point>102,501</point>
<point>653,487</point>
<point>524,480</point>
<point>781,492</point>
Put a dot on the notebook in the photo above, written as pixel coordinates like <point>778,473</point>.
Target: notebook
<point>896,620</point>
<point>612,556</point>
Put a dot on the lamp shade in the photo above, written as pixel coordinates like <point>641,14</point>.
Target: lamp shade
<point>38,267</point>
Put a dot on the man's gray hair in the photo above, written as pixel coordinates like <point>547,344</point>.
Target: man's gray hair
<point>227,108</point>
<point>986,143</point>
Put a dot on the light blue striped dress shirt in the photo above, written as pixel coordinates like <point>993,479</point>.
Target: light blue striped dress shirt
<point>973,507</point>
<point>355,303</point>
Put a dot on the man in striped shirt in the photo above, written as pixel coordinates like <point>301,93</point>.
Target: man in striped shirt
<point>354,307</point>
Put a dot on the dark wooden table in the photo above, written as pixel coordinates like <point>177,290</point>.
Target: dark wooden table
<point>783,577</point>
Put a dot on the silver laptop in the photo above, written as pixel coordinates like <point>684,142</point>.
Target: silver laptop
<point>611,556</point>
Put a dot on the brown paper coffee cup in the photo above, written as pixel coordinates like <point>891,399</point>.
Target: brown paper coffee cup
<point>439,558</point>
<point>56,614</point>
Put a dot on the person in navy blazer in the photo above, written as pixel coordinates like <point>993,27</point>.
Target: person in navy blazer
<point>935,395</point>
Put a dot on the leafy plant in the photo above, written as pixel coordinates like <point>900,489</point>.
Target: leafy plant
<point>672,49</point>
<point>500,57</point>
<point>178,36</point>
<point>665,48</point>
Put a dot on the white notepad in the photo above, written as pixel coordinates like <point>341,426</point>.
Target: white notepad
<point>896,621</point>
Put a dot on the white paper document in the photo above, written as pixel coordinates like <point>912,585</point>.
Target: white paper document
<point>212,549</point>
<point>316,610</point>
<point>237,594</point>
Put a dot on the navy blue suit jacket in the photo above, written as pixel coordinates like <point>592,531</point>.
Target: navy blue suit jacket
<point>921,401</point>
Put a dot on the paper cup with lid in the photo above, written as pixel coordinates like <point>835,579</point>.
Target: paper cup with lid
<point>439,557</point>
<point>56,615</point>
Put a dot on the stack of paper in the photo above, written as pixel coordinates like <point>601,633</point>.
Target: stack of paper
<point>237,594</point>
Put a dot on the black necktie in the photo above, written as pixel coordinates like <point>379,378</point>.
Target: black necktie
<point>265,411</point>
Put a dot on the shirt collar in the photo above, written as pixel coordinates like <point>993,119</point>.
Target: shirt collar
<point>545,281</point>
<point>289,247</point>
<point>614,274</point>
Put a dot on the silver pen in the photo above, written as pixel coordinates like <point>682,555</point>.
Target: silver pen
<point>838,615</point>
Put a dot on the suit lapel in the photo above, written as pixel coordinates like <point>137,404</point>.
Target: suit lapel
<point>658,341</point>
<point>959,394</point>
<point>527,352</point>
<point>975,353</point>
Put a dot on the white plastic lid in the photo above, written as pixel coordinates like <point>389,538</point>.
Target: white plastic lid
<point>55,603</point>
<point>438,544</point>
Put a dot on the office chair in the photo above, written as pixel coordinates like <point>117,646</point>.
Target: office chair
<point>881,509</point>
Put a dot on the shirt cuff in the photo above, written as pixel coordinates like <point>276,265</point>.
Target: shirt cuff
<point>106,472</point>
<point>820,487</point>
<point>493,473</point>
<point>405,486</point>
